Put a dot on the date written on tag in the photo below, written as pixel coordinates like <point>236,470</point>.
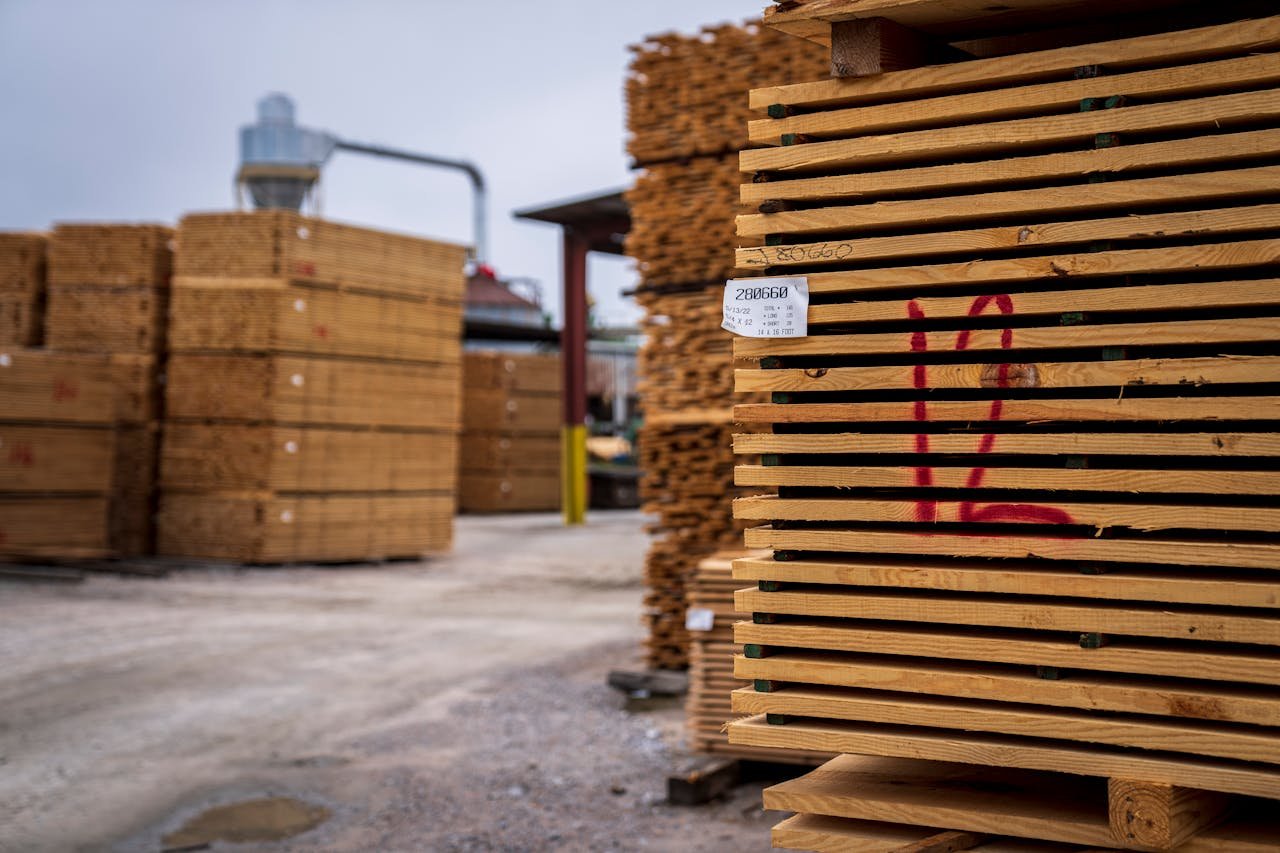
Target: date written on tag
<point>767,307</point>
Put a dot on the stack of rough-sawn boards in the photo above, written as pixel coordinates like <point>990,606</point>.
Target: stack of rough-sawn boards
<point>510,459</point>
<point>1026,458</point>
<point>79,418</point>
<point>686,117</point>
<point>313,391</point>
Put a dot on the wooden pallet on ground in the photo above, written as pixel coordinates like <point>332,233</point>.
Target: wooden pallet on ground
<point>853,796</point>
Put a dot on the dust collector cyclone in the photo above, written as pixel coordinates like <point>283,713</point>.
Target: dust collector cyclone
<point>280,163</point>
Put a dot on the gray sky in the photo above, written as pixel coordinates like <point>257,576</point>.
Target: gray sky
<point>129,110</point>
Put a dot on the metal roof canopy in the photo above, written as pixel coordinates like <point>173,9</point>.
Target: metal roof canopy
<point>595,223</point>
<point>601,220</point>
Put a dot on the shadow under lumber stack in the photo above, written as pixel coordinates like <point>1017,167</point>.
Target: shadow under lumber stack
<point>510,459</point>
<point>313,394</point>
<point>686,116</point>
<point>1025,461</point>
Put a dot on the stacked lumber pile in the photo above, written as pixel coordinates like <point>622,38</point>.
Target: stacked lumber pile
<point>686,95</point>
<point>1024,462</point>
<point>108,293</point>
<point>709,619</point>
<point>65,427</point>
<point>510,459</point>
<point>22,288</point>
<point>312,400</point>
<point>687,111</point>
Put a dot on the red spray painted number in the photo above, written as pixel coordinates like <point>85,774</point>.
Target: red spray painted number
<point>927,510</point>
<point>22,455</point>
<point>65,389</point>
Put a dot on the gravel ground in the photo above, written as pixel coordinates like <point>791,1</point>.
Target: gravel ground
<point>455,705</point>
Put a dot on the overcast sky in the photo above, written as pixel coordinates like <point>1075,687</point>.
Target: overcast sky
<point>129,109</point>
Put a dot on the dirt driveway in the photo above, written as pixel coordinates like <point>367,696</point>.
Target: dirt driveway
<point>454,704</point>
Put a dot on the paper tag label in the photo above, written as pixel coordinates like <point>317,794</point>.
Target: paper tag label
<point>767,307</point>
<point>699,619</point>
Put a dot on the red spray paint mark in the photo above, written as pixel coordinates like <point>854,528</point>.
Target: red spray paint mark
<point>969,511</point>
<point>22,455</point>
<point>304,268</point>
<point>65,389</point>
<point>321,331</point>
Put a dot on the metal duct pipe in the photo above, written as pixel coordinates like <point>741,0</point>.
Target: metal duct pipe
<point>479,191</point>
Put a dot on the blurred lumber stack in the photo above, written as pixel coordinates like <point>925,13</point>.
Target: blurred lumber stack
<point>687,95</point>
<point>22,288</point>
<point>687,114</point>
<point>1025,459</point>
<point>511,415</point>
<point>108,287</point>
<point>64,448</point>
<point>313,391</point>
<point>709,619</point>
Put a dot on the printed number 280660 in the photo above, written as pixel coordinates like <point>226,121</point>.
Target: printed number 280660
<point>745,293</point>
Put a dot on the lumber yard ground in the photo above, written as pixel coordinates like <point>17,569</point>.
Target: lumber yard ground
<point>454,704</point>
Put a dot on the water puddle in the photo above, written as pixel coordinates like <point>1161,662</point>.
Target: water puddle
<point>265,819</point>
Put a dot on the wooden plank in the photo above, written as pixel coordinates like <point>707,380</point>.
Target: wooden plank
<point>529,372</point>
<point>1052,374</point>
<point>287,529</point>
<point>1028,804</point>
<point>1189,516</point>
<point>270,315</point>
<point>1133,227</point>
<point>827,835</point>
<point>950,18</point>
<point>1170,48</point>
<point>1237,73</point>
<point>948,411</point>
<point>285,244</point>
<point>1127,481</point>
<point>241,457</point>
<point>1173,586</point>
<point>1178,552</point>
<point>55,458</point>
<point>1005,751</point>
<point>1159,815</point>
<point>1214,740</point>
<point>42,386</point>
<point>54,527</point>
<point>950,841</point>
<point>517,412</point>
<point>1225,294</point>
<point>1186,154</point>
<point>1091,617</point>
<point>941,212</point>
<point>1228,444</point>
<point>1025,647</point>
<point>874,46</point>
<point>1200,115</point>
<point>1238,330</point>
<point>1060,269</point>
<point>312,390</point>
